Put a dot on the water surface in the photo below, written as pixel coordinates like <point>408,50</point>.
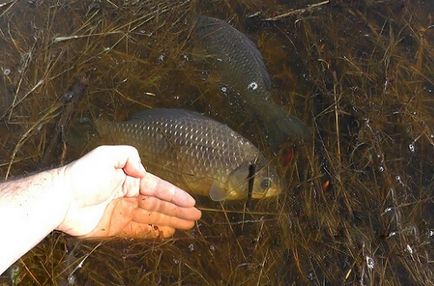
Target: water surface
<point>358,204</point>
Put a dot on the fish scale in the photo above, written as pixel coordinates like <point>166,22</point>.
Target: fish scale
<point>237,56</point>
<point>194,152</point>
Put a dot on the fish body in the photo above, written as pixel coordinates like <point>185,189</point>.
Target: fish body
<point>241,67</point>
<point>194,152</point>
<point>238,60</point>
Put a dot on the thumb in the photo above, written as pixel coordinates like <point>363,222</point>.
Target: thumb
<point>127,158</point>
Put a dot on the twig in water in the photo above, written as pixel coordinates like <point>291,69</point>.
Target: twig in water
<point>251,180</point>
<point>80,264</point>
<point>74,37</point>
<point>262,268</point>
<point>10,3</point>
<point>237,211</point>
<point>233,232</point>
<point>69,102</point>
<point>298,11</point>
<point>44,119</point>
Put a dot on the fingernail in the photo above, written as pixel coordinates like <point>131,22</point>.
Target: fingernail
<point>191,200</point>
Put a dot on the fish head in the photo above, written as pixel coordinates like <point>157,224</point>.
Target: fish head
<point>266,183</point>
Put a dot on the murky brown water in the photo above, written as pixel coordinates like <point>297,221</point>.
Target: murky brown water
<point>358,204</point>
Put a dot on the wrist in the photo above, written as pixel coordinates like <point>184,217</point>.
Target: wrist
<point>63,189</point>
<point>62,193</point>
<point>44,193</point>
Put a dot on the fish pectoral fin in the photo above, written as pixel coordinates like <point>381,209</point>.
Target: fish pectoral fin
<point>217,193</point>
<point>238,179</point>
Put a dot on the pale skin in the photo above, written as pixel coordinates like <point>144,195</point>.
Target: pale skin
<point>106,193</point>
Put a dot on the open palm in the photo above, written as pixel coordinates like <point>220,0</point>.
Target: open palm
<point>113,195</point>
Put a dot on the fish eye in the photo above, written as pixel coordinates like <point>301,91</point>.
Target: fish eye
<point>266,183</point>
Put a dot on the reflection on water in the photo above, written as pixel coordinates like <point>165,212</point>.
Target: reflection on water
<point>357,207</point>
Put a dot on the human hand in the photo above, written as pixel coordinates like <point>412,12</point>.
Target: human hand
<point>104,187</point>
<point>143,217</point>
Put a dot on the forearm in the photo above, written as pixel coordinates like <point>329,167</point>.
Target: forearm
<point>30,208</point>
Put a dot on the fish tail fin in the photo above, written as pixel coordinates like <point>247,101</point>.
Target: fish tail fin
<point>282,129</point>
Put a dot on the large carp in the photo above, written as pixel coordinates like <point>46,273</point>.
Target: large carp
<point>195,152</point>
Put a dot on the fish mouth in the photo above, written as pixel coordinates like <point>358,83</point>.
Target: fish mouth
<point>234,195</point>
<point>273,192</point>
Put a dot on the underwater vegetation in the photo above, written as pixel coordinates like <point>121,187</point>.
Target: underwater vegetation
<point>356,207</point>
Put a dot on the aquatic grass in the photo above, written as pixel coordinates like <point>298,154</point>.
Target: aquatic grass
<point>358,204</point>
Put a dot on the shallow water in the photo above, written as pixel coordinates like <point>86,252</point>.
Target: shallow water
<point>358,205</point>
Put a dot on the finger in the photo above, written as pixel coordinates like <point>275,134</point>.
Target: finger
<point>146,231</point>
<point>124,157</point>
<point>147,217</point>
<point>131,187</point>
<point>153,204</point>
<point>151,185</point>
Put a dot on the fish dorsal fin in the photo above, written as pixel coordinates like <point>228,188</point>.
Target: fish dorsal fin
<point>167,113</point>
<point>217,192</point>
